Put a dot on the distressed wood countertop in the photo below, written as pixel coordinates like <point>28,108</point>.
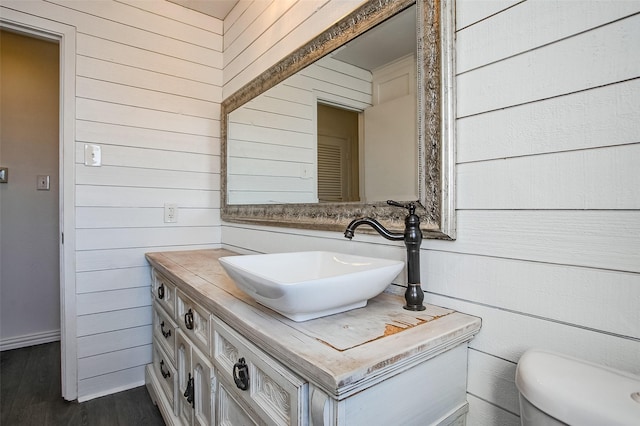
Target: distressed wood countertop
<point>342,353</point>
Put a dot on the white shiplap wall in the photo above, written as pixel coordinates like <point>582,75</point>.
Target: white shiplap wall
<point>272,138</point>
<point>548,248</point>
<point>148,90</point>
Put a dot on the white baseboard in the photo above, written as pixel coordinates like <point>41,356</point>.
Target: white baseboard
<point>84,398</point>
<point>29,340</point>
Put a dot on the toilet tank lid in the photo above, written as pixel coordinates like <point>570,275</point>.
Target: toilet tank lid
<point>577,391</point>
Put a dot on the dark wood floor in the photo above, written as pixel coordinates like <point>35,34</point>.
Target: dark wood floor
<point>30,394</point>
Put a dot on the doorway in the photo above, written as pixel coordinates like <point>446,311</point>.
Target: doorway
<point>338,159</point>
<point>65,36</point>
<point>29,199</point>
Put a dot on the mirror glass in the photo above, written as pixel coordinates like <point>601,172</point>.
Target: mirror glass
<point>362,113</point>
<point>343,129</point>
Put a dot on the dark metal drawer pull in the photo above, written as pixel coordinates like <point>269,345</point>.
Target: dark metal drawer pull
<point>165,374</point>
<point>167,333</point>
<point>188,320</point>
<point>189,392</point>
<point>161,291</point>
<point>241,374</point>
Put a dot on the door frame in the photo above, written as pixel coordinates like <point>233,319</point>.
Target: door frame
<point>65,36</point>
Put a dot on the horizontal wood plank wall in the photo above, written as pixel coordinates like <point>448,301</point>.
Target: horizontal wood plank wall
<point>257,34</point>
<point>148,86</point>
<point>548,143</point>
<point>548,125</point>
<point>272,139</point>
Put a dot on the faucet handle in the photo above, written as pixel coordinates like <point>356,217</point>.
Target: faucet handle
<point>411,206</point>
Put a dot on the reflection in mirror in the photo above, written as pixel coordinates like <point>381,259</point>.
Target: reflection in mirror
<point>338,154</point>
<point>360,114</point>
<point>342,129</point>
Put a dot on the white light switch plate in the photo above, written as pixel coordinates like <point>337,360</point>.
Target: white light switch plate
<point>92,155</point>
<point>43,183</point>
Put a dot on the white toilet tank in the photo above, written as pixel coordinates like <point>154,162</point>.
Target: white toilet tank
<point>557,389</point>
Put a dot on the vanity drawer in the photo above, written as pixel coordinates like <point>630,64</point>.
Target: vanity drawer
<point>165,373</point>
<point>164,292</point>
<point>272,391</point>
<point>164,331</point>
<point>194,321</point>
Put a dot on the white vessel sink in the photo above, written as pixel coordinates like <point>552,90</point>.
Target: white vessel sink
<point>307,285</point>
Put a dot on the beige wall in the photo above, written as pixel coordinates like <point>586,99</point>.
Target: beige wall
<point>29,284</point>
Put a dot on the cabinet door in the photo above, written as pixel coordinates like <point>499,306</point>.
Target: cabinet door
<point>230,411</point>
<point>204,388</point>
<point>196,384</point>
<point>183,365</point>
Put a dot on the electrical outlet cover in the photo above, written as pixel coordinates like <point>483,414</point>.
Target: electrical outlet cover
<point>170,213</point>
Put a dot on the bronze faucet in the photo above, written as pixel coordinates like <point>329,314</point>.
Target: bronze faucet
<point>412,238</point>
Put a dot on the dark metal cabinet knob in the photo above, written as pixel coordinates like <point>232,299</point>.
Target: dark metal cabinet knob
<point>241,374</point>
<point>188,320</point>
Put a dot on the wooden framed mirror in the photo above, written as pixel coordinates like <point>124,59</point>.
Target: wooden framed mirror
<point>291,199</point>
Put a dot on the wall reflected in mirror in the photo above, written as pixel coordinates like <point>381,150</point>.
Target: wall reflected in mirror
<point>342,129</point>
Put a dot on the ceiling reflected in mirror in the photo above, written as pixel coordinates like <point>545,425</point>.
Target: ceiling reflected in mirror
<point>393,39</point>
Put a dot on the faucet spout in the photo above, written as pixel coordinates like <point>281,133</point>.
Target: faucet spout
<point>412,238</point>
<point>351,229</point>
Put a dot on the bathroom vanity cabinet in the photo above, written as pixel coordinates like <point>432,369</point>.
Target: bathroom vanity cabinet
<point>221,358</point>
